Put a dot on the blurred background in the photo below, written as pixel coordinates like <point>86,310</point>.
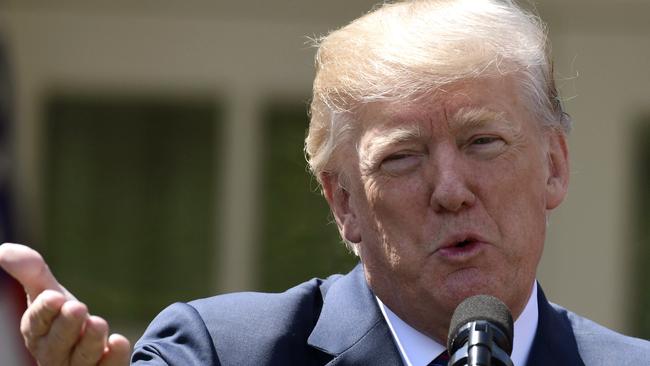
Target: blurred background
<point>152,151</point>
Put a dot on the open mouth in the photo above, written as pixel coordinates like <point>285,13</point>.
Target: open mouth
<point>464,243</point>
<point>462,248</point>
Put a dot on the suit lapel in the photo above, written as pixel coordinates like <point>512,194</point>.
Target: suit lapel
<point>352,330</point>
<point>554,343</point>
<point>351,327</point>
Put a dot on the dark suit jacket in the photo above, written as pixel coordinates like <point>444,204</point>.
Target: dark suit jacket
<point>337,321</point>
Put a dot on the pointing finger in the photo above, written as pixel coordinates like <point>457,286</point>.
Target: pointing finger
<point>28,267</point>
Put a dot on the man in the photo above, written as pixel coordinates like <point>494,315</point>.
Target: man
<point>440,144</point>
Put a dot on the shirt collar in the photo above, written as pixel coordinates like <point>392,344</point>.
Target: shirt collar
<point>418,349</point>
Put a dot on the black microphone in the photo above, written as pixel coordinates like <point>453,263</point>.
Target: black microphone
<point>480,333</point>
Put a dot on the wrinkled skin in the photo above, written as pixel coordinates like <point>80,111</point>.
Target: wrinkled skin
<point>447,197</point>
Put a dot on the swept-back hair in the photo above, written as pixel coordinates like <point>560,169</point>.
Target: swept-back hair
<point>403,50</point>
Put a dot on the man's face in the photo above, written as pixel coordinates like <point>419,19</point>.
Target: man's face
<point>447,197</point>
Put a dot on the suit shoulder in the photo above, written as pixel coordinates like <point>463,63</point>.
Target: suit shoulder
<point>245,327</point>
<point>599,345</point>
<point>177,336</point>
<point>255,309</point>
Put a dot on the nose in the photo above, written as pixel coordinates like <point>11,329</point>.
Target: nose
<point>449,181</point>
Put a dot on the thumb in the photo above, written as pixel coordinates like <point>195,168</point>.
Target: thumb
<point>28,267</point>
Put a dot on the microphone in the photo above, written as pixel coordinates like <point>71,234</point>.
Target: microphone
<point>480,333</point>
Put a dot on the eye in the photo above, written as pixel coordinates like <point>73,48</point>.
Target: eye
<point>400,163</point>
<point>486,146</point>
<point>485,140</point>
<point>397,156</point>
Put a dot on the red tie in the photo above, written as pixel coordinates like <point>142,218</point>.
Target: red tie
<point>440,360</point>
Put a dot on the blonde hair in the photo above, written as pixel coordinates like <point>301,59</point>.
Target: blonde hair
<point>403,50</point>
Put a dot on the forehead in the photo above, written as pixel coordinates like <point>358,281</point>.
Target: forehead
<point>463,104</point>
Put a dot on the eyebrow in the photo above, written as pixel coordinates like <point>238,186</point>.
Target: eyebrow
<point>374,149</point>
<point>474,117</point>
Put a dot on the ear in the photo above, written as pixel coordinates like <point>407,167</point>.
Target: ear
<point>338,199</point>
<point>557,182</point>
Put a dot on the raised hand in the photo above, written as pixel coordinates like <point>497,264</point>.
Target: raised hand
<point>57,328</point>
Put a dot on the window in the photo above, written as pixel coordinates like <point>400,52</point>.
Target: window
<point>298,237</point>
<point>129,201</point>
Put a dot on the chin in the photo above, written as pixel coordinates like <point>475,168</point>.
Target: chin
<point>465,283</point>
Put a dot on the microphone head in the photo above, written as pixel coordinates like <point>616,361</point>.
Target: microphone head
<point>481,307</point>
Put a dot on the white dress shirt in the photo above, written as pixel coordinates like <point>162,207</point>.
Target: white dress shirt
<point>418,349</point>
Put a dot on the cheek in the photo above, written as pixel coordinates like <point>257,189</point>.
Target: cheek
<point>399,202</point>
<point>394,220</point>
<point>515,199</point>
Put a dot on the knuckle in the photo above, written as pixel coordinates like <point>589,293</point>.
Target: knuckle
<point>37,325</point>
<point>44,354</point>
<point>28,334</point>
<point>31,324</point>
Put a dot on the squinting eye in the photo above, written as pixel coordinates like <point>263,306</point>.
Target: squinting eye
<point>397,164</point>
<point>396,157</point>
<point>486,146</point>
<point>484,140</point>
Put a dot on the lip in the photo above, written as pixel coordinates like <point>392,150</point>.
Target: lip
<point>451,250</point>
